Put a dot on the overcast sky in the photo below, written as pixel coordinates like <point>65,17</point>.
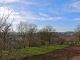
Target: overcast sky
<point>63,15</point>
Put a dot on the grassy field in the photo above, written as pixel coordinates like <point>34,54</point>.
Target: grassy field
<point>40,50</point>
<point>34,50</point>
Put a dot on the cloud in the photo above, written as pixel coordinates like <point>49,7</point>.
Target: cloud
<point>43,18</point>
<point>5,11</point>
<point>76,18</point>
<point>17,19</point>
<point>29,2</point>
<point>44,15</point>
<point>31,16</point>
<point>20,1</point>
<point>73,6</point>
<point>8,1</point>
<point>25,15</point>
<point>54,11</point>
<point>76,5</point>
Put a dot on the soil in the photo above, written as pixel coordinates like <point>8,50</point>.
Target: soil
<point>76,58</point>
<point>61,54</point>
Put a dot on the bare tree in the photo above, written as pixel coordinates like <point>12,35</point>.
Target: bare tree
<point>61,40</point>
<point>22,31</point>
<point>32,28</point>
<point>26,32</point>
<point>77,33</point>
<point>46,33</point>
<point>4,33</point>
<point>41,36</point>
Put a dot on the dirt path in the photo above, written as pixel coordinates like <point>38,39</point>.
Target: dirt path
<point>76,58</point>
<point>61,54</point>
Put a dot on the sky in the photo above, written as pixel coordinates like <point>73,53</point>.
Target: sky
<point>63,15</point>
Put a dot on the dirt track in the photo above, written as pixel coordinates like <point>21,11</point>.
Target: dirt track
<point>61,54</point>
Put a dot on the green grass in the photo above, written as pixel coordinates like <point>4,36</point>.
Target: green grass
<point>40,50</point>
<point>34,50</point>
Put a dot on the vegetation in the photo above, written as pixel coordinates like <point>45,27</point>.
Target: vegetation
<point>30,51</point>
